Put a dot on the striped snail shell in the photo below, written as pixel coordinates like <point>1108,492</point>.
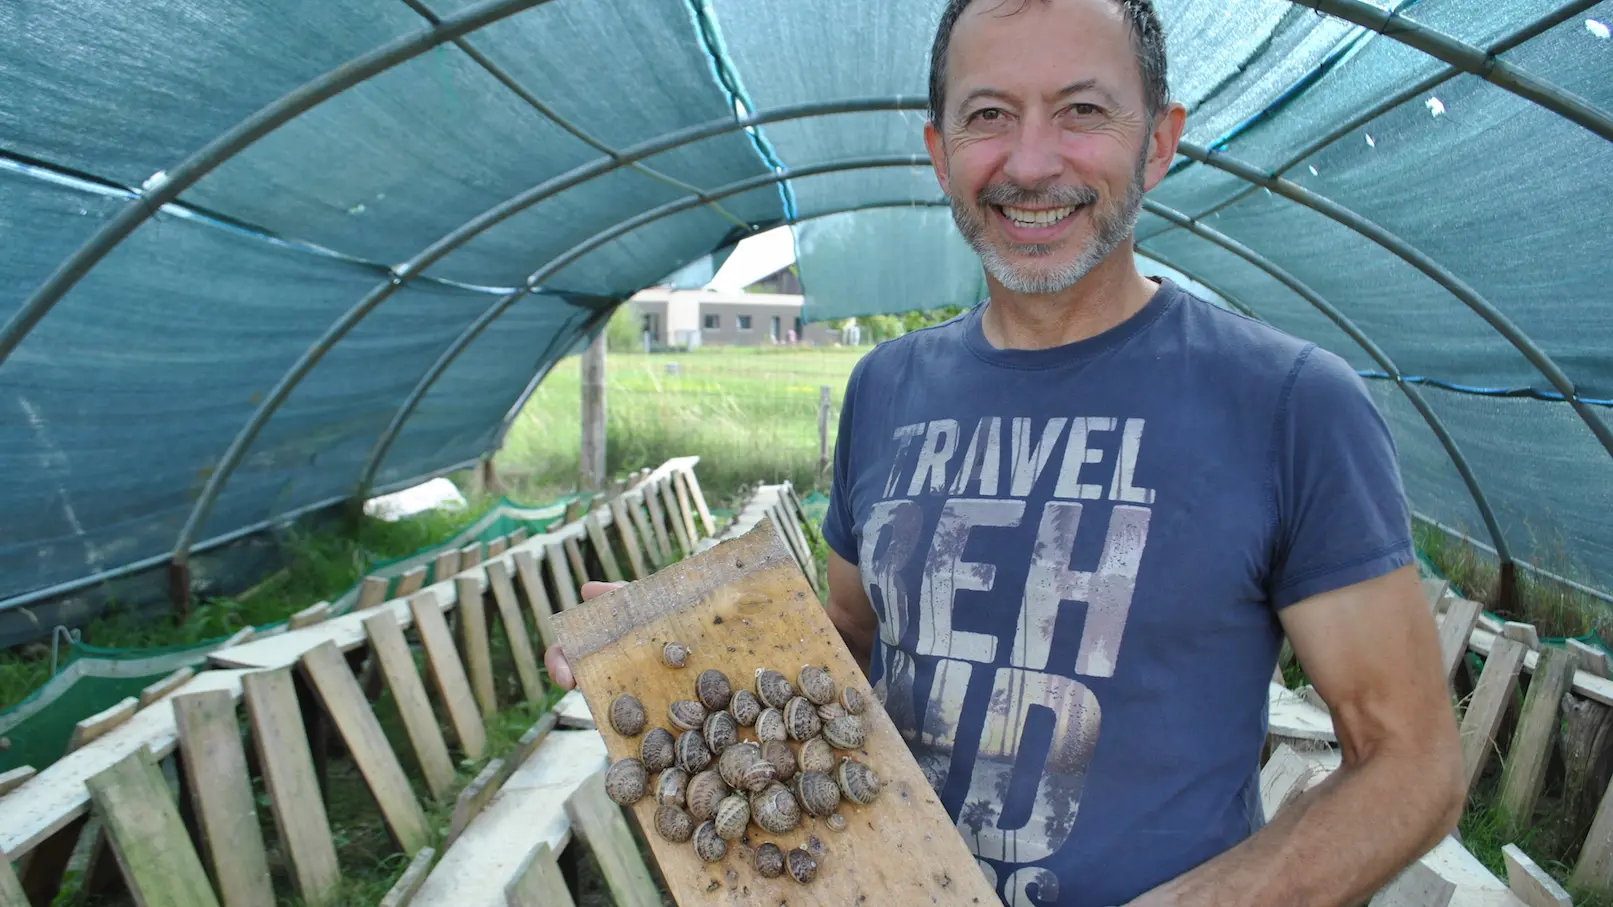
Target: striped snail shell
<point>627,715</point>
<point>686,714</point>
<point>734,760</point>
<point>673,823</point>
<point>733,814</point>
<point>693,756</point>
<point>817,793</point>
<point>832,711</point>
<point>624,781</point>
<point>778,753</point>
<point>769,861</point>
<point>770,726</point>
<point>708,846</point>
<point>712,689</point>
<point>817,756</point>
<point>705,791</point>
<point>846,733</point>
<point>852,700</point>
<point>801,865</point>
<point>836,821</point>
<point>773,688</point>
<point>816,684</point>
<point>775,809</point>
<point>674,654</point>
<point>758,775</point>
<point>801,721</point>
<point>655,750</point>
<point>671,786</point>
<point>744,706</point>
<point>857,781</point>
<point>720,731</point>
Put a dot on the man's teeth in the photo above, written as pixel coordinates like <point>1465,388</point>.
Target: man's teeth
<point>1044,217</point>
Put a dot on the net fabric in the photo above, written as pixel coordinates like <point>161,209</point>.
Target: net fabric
<point>923,263</point>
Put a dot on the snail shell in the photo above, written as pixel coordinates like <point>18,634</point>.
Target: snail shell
<point>801,720</point>
<point>775,809</point>
<point>769,860</point>
<point>707,845</point>
<point>627,715</point>
<point>734,760</point>
<point>624,781</point>
<point>693,756</point>
<point>687,714</point>
<point>818,793</point>
<point>816,684</point>
<point>801,865</point>
<point>733,814</point>
<point>671,786</point>
<point>836,821</point>
<point>832,711</point>
<point>778,753</point>
<point>817,756</point>
<point>720,731</point>
<point>674,654</point>
<point>744,706</point>
<point>758,775</point>
<point>846,733</point>
<point>655,750</point>
<point>712,689</point>
<point>770,726</point>
<point>857,781</point>
<point>673,823</point>
<point>705,791</point>
<point>852,700</point>
<point>773,688</point>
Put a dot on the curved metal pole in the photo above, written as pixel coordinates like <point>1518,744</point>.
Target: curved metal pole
<point>1417,259</point>
<point>1470,59</point>
<point>382,443</point>
<point>277,395</point>
<point>237,138</point>
<point>1378,355</point>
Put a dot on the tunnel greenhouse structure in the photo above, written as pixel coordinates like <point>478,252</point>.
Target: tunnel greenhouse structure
<point>263,258</point>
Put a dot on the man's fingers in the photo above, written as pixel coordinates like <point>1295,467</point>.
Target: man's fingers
<point>596,589</point>
<point>559,669</point>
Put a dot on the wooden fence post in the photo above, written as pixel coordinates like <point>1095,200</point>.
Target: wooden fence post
<point>593,415</point>
<point>823,433</point>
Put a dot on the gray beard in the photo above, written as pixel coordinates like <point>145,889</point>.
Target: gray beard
<point>1111,227</point>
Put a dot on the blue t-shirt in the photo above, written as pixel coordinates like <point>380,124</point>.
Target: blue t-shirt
<point>1077,556</point>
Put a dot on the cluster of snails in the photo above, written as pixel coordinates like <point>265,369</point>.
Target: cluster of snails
<point>712,785</point>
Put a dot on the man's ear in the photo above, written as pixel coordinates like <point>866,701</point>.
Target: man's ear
<point>1162,143</point>
<point>937,148</point>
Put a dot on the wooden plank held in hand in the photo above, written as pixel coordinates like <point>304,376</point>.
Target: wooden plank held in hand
<point>603,827</point>
<point>287,764</point>
<point>372,592</point>
<point>564,587</point>
<point>624,528</point>
<point>1525,771</point>
<point>538,882</point>
<point>404,889</point>
<point>448,673</point>
<point>410,582</point>
<point>391,652</point>
<point>100,723</point>
<point>153,849</point>
<point>685,508</point>
<point>602,549</point>
<point>165,686</point>
<point>526,666</point>
<point>537,597</point>
<point>1533,885</point>
<point>309,616</point>
<point>215,771</point>
<point>446,565</point>
<point>652,502</point>
<point>1488,705</point>
<point>1454,629</point>
<point>10,781</point>
<point>478,654</point>
<point>338,690</point>
<point>699,498</point>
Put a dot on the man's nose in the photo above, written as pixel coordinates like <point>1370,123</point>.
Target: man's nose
<point>1034,158</point>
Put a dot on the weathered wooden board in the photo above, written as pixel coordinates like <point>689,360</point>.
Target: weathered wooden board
<point>1416,886</point>
<point>10,781</point>
<point>685,508</point>
<point>220,788</point>
<point>338,690</point>
<point>142,822</point>
<point>414,707</point>
<point>676,517</point>
<point>602,548</point>
<point>1488,705</point>
<point>537,596</point>
<point>602,825</point>
<point>1289,773</point>
<point>1585,684</point>
<point>307,617</point>
<point>630,542</point>
<point>1533,885</point>
<point>165,686</point>
<point>448,673</point>
<point>446,565</point>
<point>538,882</point>
<point>1590,659</point>
<point>573,711</point>
<point>518,536</point>
<point>12,895</point>
<point>403,891</point>
<point>410,582</point>
<point>1524,774</point>
<point>652,500</point>
<point>287,763</point>
<point>579,567</point>
<point>1595,866</point>
<point>1291,717</point>
<point>739,606</point>
<point>699,499</point>
<point>478,652</point>
<point>509,611</point>
<point>372,592</point>
<point>99,724</point>
<point>470,555</point>
<point>1522,632</point>
<point>1455,627</point>
<point>474,798</point>
<point>496,547</point>
<point>565,587</point>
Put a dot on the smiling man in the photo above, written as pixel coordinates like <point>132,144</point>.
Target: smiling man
<point>1070,527</point>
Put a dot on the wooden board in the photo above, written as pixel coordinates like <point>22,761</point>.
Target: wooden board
<point>448,674</point>
<point>470,555</point>
<point>601,824</point>
<point>602,548</point>
<point>309,616</point>
<point>410,582</point>
<point>699,499</point>
<point>101,722</point>
<point>685,508</point>
<point>1522,632</point>
<point>1416,886</point>
<point>1589,658</point>
<point>165,686</point>
<point>1524,775</point>
<point>646,536</point>
<point>347,632</point>
<point>287,764</point>
<point>1595,866</point>
<point>1533,885</point>
<point>142,822</point>
<point>10,781</point>
<point>509,610</point>
<point>446,565</point>
<point>339,691</point>
<point>538,882</point>
<point>518,536</point>
<point>496,547</point>
<point>676,517</point>
<point>372,592</point>
<point>414,707</point>
<point>573,711</point>
<point>216,775</point>
<point>652,501</point>
<point>1585,684</point>
<point>12,895</point>
<point>403,891</point>
<point>474,798</point>
<point>630,543</point>
<point>579,567</point>
<point>564,587</point>
<point>1455,627</point>
<point>742,605</point>
<point>537,596</point>
<point>1289,773</point>
<point>478,654</point>
<point>1488,705</point>
<point>1291,717</point>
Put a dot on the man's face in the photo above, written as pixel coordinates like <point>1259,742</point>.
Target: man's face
<point>1044,145</point>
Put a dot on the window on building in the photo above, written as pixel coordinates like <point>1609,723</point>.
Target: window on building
<point>775,329</point>
<point>744,322</point>
<point>713,322</point>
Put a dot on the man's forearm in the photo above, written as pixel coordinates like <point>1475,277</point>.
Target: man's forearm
<point>1333,846</point>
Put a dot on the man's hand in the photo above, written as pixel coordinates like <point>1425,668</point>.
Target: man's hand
<point>554,659</point>
<point>850,611</point>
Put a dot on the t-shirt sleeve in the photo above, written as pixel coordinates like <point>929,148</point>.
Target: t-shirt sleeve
<point>838,526</point>
<point>1342,515</point>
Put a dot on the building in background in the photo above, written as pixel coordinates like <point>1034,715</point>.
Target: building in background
<point>683,319</point>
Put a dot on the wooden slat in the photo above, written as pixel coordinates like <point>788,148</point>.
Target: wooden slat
<point>630,543</point>
<point>448,673</point>
<point>537,596</point>
<point>446,565</point>
<point>1525,771</point>
<point>309,616</point>
<point>1585,684</point>
<point>579,567</point>
<point>478,655</point>
<point>602,549</point>
<point>473,798</point>
<point>518,536</point>
<point>526,665</point>
<point>10,781</point>
<point>1533,885</point>
<point>410,582</point>
<point>165,686</point>
<point>641,522</point>
<point>538,882</point>
<point>496,547</point>
<point>408,884</point>
<point>564,586</point>
<point>676,517</point>
<point>1454,629</point>
<point>1417,885</point>
<point>1595,867</point>
<point>699,498</point>
<point>216,775</point>
<point>141,820</point>
<point>391,651</point>
<point>1434,590</point>
<point>287,764</point>
<point>1522,632</point>
<point>1589,658</point>
<point>372,592</point>
<point>1488,705</point>
<point>470,555</point>
<point>1289,773</point>
<point>11,893</point>
<point>685,508</point>
<point>573,711</point>
<point>652,501</point>
<point>100,723</point>
<point>601,823</point>
<point>344,701</point>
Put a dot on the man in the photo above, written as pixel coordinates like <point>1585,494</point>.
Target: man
<point>1070,527</point>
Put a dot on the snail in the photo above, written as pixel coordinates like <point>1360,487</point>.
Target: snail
<point>773,688</point>
<point>857,781</point>
<point>801,721</point>
<point>686,714</point>
<point>801,865</point>
<point>817,756</point>
<point>769,860</point>
<point>671,786</point>
<point>816,684</point>
<point>836,821</point>
<point>712,689</point>
<point>734,760</point>
<point>846,733</point>
<point>817,793</point>
<point>705,791</point>
<point>708,845</point>
<point>832,711</point>
<point>778,753</point>
<point>770,726</point>
<point>775,809</point>
<point>627,715</point>
<point>673,824</point>
<point>655,750</point>
<point>744,706</point>
<point>624,781</point>
<point>852,700</point>
<point>733,814</point>
<point>693,756</point>
<point>757,775</point>
<point>674,654</point>
<point>720,731</point>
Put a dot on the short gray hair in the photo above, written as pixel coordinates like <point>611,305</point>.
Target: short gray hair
<point>1147,39</point>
